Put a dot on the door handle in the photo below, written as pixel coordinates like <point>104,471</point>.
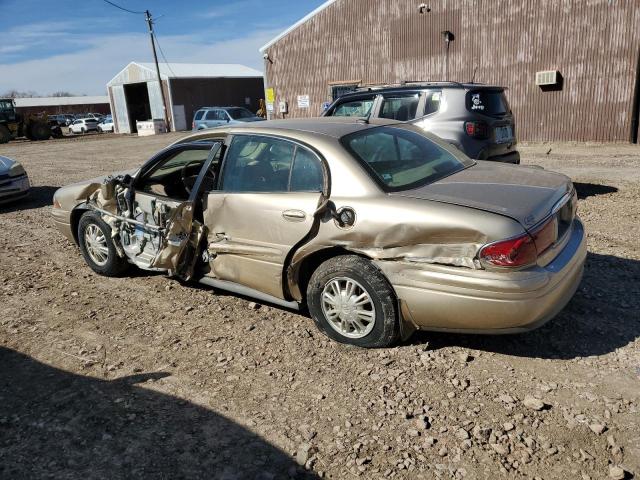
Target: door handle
<point>294,215</point>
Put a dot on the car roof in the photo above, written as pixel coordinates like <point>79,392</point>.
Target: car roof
<point>417,87</point>
<point>335,127</point>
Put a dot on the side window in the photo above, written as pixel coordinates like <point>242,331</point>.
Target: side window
<point>166,178</point>
<point>400,108</point>
<point>223,115</point>
<point>199,115</point>
<point>257,164</point>
<point>432,102</point>
<point>211,115</point>
<point>354,108</point>
<point>306,174</point>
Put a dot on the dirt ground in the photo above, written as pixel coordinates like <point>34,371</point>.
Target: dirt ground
<point>144,377</point>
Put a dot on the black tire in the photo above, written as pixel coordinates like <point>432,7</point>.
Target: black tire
<point>40,131</point>
<point>114,265</point>
<point>386,328</point>
<point>83,131</point>
<point>5,134</point>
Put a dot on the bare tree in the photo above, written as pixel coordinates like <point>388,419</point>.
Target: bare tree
<point>63,93</point>
<point>19,94</point>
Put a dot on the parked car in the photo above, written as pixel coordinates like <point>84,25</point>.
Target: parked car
<point>60,120</point>
<point>475,118</point>
<point>379,228</point>
<point>106,124</point>
<point>209,117</point>
<point>84,125</point>
<point>14,182</point>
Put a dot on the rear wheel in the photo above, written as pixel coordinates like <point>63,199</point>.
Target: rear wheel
<point>352,302</point>
<point>40,131</point>
<point>97,247</point>
<point>5,134</point>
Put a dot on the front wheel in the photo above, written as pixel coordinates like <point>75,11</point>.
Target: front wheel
<point>352,302</point>
<point>97,247</point>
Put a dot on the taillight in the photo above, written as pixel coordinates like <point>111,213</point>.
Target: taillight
<point>514,252</point>
<point>476,129</point>
<point>546,235</point>
<point>193,125</point>
<point>522,250</point>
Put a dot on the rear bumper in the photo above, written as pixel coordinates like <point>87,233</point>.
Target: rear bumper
<point>512,157</point>
<point>435,297</point>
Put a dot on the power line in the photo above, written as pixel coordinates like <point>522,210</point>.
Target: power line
<point>163,56</point>
<point>122,8</point>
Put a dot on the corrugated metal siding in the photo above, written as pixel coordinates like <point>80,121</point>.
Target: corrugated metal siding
<point>593,43</point>
<point>155,100</point>
<point>120,112</point>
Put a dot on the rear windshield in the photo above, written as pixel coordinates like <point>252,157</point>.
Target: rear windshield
<point>487,102</point>
<point>237,113</point>
<point>401,159</point>
<point>353,108</point>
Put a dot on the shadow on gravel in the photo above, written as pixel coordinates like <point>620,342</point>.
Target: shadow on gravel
<point>39,196</point>
<point>585,190</point>
<point>55,424</point>
<point>603,315</point>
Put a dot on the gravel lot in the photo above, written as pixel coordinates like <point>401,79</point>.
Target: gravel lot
<point>148,377</point>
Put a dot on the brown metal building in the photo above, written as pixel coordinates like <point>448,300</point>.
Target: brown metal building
<point>594,45</point>
<point>134,93</point>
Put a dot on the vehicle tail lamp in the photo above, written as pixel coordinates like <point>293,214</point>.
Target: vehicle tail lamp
<point>521,250</point>
<point>476,129</point>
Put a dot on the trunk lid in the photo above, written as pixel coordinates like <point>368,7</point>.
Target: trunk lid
<point>525,194</point>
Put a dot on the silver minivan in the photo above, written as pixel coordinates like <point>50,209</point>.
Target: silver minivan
<point>475,118</point>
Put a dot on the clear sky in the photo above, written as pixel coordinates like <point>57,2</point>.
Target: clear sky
<point>78,46</point>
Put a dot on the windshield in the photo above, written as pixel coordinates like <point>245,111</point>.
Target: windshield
<point>402,159</point>
<point>237,113</point>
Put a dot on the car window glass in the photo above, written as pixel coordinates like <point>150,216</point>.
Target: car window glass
<point>401,159</point>
<point>211,115</point>
<point>257,164</point>
<point>432,102</point>
<point>354,108</point>
<point>399,108</point>
<point>487,102</point>
<point>222,115</point>
<point>199,114</point>
<point>166,178</point>
<point>306,173</point>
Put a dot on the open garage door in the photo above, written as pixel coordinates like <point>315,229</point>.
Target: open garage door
<point>138,106</point>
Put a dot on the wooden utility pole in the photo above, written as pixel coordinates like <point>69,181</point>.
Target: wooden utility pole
<point>149,19</point>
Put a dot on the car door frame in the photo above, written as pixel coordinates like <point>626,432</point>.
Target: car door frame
<point>321,207</point>
<point>180,231</point>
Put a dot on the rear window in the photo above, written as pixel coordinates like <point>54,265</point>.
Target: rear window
<point>199,114</point>
<point>487,102</point>
<point>353,108</point>
<point>400,159</point>
<point>400,108</point>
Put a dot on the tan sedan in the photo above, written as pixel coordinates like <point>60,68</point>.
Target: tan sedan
<point>379,229</point>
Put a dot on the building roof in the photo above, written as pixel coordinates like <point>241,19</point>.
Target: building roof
<point>60,101</point>
<point>297,24</point>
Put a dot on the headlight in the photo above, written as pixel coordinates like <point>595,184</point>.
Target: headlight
<point>16,170</point>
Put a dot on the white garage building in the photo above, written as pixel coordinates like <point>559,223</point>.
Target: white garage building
<point>134,93</point>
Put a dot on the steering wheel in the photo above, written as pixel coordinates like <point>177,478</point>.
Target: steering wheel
<point>189,180</point>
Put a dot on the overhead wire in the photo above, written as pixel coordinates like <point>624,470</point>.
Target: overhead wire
<point>122,8</point>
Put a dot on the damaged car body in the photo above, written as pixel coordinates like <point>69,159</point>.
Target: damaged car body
<point>378,228</point>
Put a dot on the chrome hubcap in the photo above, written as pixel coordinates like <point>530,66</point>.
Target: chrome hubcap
<point>96,244</point>
<point>348,307</point>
